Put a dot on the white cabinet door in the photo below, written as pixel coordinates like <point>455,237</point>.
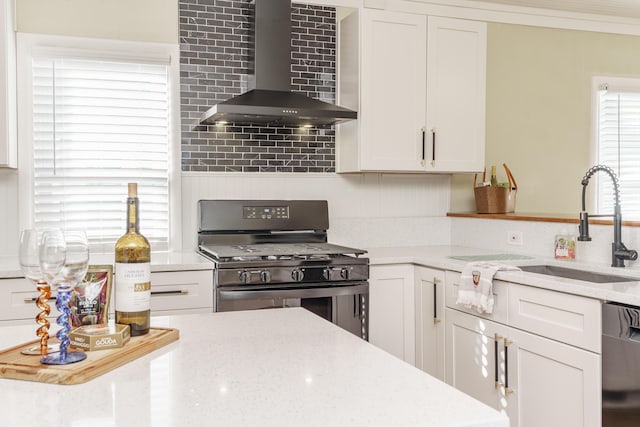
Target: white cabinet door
<point>552,383</point>
<point>393,87</point>
<point>390,101</point>
<point>456,81</point>
<point>391,310</point>
<point>429,289</point>
<point>536,382</point>
<point>8,124</point>
<point>472,352</point>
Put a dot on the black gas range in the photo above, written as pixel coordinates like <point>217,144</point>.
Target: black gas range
<point>274,253</point>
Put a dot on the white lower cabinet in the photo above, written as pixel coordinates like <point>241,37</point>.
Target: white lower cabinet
<point>181,292</point>
<point>391,310</point>
<point>535,380</point>
<point>173,292</point>
<point>406,312</point>
<point>429,294</point>
<point>18,302</point>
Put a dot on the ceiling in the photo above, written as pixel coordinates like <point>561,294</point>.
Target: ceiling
<point>620,8</point>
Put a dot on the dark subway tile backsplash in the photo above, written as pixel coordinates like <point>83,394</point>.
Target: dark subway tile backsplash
<point>215,64</point>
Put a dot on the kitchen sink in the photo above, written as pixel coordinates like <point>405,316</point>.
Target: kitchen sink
<point>572,273</point>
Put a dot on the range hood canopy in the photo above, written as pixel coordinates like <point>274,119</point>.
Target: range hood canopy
<point>270,99</point>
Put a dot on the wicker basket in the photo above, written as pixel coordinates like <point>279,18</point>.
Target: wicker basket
<point>496,199</point>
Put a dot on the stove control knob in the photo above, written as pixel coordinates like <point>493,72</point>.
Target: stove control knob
<point>297,275</point>
<point>345,273</point>
<point>326,273</point>
<point>265,276</point>
<point>244,276</point>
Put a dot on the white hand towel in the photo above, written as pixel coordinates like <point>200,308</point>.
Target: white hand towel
<point>476,285</point>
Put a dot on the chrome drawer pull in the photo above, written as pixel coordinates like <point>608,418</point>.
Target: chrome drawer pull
<point>169,293</point>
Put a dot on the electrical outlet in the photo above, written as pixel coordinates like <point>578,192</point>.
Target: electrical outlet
<point>515,238</point>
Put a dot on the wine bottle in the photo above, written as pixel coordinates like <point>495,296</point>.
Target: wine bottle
<point>494,179</point>
<point>133,272</point>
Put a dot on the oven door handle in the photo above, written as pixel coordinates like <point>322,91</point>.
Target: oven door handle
<point>319,292</point>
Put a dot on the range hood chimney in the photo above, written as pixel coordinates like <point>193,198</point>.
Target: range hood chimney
<point>270,99</point>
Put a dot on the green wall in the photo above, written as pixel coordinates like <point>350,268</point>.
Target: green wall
<point>134,20</point>
<point>539,110</point>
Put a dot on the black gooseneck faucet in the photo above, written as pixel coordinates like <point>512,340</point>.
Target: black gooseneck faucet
<point>619,251</point>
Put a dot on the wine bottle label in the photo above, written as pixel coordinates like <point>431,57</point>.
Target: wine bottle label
<point>133,286</point>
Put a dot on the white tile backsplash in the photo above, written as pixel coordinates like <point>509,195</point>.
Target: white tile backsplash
<point>365,210</point>
<point>539,237</point>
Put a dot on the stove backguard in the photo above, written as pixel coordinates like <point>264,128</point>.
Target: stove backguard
<point>251,216</point>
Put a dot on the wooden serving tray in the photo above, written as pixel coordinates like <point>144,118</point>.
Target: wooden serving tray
<point>16,365</point>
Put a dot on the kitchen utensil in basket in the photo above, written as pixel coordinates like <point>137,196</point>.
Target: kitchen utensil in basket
<point>496,199</point>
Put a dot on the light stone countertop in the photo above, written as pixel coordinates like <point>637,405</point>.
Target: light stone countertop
<point>281,367</point>
<point>439,257</point>
<point>160,261</point>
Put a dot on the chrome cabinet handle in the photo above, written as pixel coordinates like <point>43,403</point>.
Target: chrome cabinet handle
<point>32,300</point>
<point>168,293</point>
<point>156,293</point>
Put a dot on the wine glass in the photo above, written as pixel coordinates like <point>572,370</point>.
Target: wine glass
<point>72,270</point>
<point>30,265</point>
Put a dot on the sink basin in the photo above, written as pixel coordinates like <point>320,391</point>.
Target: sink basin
<point>572,273</point>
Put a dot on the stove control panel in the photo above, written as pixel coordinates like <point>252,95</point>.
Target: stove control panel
<point>265,212</point>
<point>279,275</point>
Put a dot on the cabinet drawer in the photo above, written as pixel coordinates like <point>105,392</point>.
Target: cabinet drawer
<point>571,319</point>
<point>500,298</point>
<point>181,290</point>
<point>17,300</point>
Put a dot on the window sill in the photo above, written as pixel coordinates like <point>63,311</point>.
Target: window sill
<point>537,217</point>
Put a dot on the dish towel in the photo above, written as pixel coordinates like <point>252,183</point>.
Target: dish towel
<point>476,285</point>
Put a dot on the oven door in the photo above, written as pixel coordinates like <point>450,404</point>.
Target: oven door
<point>344,303</point>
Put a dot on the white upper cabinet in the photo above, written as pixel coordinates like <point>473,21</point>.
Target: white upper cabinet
<point>8,133</point>
<point>418,84</point>
<point>456,87</point>
<point>383,78</point>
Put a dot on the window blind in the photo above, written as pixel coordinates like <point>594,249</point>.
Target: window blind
<point>98,125</point>
<point>619,148</point>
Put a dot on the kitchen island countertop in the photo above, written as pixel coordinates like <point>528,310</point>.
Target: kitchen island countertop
<point>284,367</point>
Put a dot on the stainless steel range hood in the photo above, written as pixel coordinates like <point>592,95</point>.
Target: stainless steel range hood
<point>270,99</point>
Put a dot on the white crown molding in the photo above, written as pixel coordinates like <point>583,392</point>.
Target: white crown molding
<point>498,12</point>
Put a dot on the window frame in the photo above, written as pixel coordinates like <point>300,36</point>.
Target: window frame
<point>28,44</point>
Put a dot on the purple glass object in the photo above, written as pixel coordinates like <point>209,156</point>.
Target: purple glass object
<point>63,357</point>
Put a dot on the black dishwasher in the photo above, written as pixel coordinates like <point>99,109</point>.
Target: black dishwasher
<point>620,365</point>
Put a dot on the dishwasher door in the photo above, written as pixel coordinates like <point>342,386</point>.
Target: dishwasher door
<point>620,365</point>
